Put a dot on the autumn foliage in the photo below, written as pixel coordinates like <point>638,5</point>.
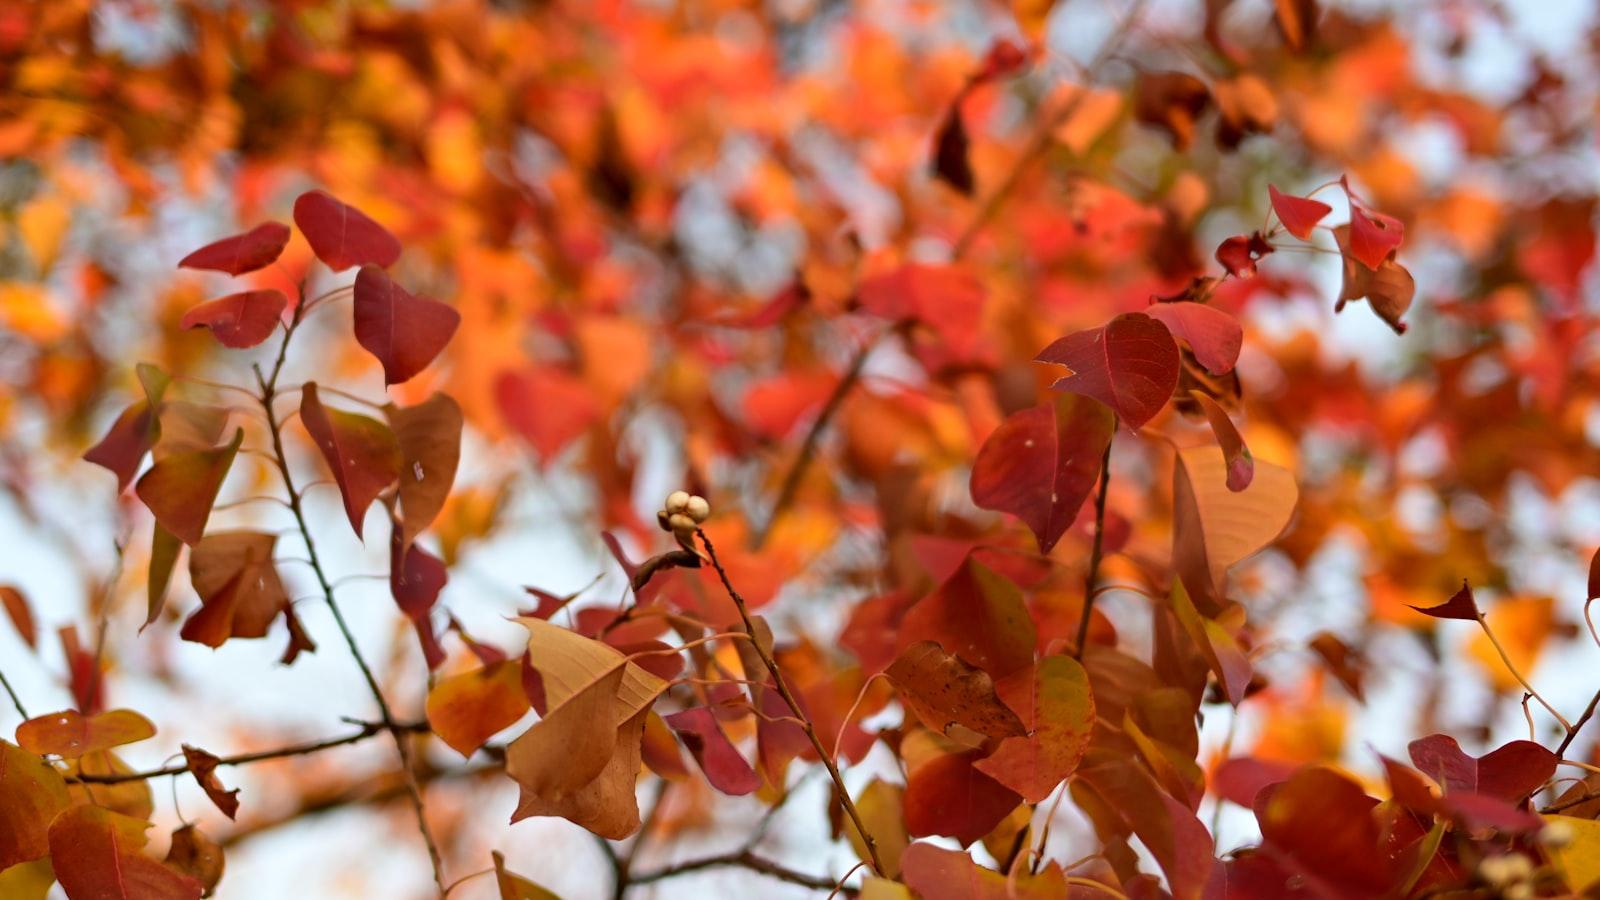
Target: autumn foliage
<point>888,449</point>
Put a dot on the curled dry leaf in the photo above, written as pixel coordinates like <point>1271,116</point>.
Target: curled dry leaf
<point>1390,288</point>
<point>239,320</point>
<point>943,691</point>
<point>196,855</point>
<point>203,766</point>
<point>1130,364</point>
<point>1215,527</point>
<point>1461,605</point>
<point>257,248</point>
<point>950,147</point>
<point>403,331</point>
<point>181,489</point>
<point>341,235</point>
<point>1241,465</point>
<point>515,887</point>
<point>70,734</point>
<point>240,591</point>
<point>361,452</point>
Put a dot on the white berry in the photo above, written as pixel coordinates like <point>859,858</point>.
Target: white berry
<point>698,509</point>
<point>677,501</point>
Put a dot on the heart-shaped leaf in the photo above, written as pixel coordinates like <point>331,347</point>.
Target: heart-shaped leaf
<point>1298,214</point>
<point>361,452</point>
<point>405,332</point>
<point>240,591</point>
<point>1041,464</point>
<point>1055,706</point>
<point>1130,364</point>
<point>429,435</point>
<point>1214,335</point>
<point>341,235</point>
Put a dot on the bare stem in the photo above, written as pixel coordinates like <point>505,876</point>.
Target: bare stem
<point>269,393</point>
<point>15,700</point>
<point>1095,553</point>
<point>743,859</point>
<point>782,686</point>
<point>1511,667</point>
<point>1575,727</point>
<point>367,731</point>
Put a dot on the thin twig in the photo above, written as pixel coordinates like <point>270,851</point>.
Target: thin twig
<point>15,700</point>
<point>1095,552</point>
<point>268,385</point>
<point>743,859</point>
<point>1572,731</point>
<point>1041,140</point>
<point>813,438</point>
<point>782,686</point>
<point>1515,673</point>
<point>367,731</point>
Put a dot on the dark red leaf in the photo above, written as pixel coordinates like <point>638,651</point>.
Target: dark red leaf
<point>203,766</point>
<point>403,331</point>
<point>256,248</point>
<point>1459,606</point>
<point>950,163</point>
<point>1042,463</point>
<point>947,796</point>
<point>1510,773</point>
<point>341,235</point>
<point>727,771</point>
<point>1130,364</point>
<point>361,452</point>
<point>1239,253</point>
<point>978,615</point>
<point>415,579</point>
<point>239,320</point>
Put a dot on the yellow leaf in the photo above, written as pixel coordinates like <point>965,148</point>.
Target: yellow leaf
<point>1579,858</point>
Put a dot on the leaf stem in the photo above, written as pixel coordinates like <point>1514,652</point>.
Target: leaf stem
<point>15,700</point>
<point>782,686</point>
<point>1510,667</point>
<point>269,393</point>
<point>1095,552</point>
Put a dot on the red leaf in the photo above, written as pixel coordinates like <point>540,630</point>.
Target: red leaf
<point>1298,214</point>
<point>1510,773</point>
<point>1241,778</point>
<point>1322,823</point>
<point>96,854</point>
<point>203,766</point>
<point>1241,465</point>
<point>1042,463</point>
<point>1373,235</point>
<point>977,615</point>
<point>718,758</point>
<point>950,163</point>
<point>255,249</point>
<point>20,613</point>
<point>939,874</point>
<point>1594,575</point>
<point>1055,705</point>
<point>1130,364</point>
<point>181,489</point>
<point>1239,253</point>
<point>415,579</point>
<point>341,235</point>
<point>1214,335</point>
<point>403,331</point>
<point>135,432</point>
<point>1461,605</point>
<point>946,298</point>
<point>548,407</point>
<point>947,796</point>
<point>1128,800</point>
<point>239,320</point>
<point>361,452</point>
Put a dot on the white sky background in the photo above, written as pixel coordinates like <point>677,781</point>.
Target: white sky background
<point>238,693</point>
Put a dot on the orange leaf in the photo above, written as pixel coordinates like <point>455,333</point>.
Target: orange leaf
<point>467,709</point>
<point>70,734</point>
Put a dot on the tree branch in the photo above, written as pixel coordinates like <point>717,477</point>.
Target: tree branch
<point>268,386</point>
<point>1093,574</point>
<point>782,686</point>
<point>743,859</point>
<point>367,730</point>
<point>1575,727</point>
<point>813,438</point>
